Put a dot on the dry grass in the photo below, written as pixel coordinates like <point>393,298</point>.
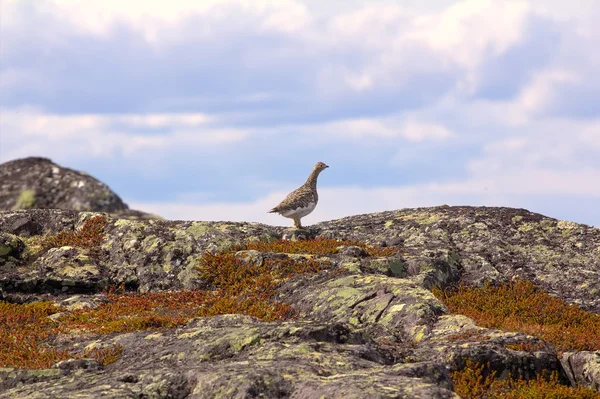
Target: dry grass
<point>476,381</point>
<point>24,331</point>
<point>528,346</point>
<point>89,236</point>
<point>237,287</point>
<point>468,335</point>
<point>520,306</point>
<point>106,355</point>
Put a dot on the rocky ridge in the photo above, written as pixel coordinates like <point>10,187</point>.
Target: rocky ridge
<point>374,330</point>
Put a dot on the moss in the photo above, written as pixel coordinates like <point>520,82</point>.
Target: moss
<point>26,200</point>
<point>150,243</point>
<point>566,225</point>
<point>528,346</point>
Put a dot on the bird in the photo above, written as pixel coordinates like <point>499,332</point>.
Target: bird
<point>302,200</point>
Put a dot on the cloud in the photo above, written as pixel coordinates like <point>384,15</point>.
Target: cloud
<point>116,56</point>
<point>159,21</point>
<point>26,131</point>
<point>471,30</point>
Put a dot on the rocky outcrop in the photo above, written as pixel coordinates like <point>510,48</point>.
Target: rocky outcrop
<point>39,183</point>
<point>371,329</point>
<point>583,368</point>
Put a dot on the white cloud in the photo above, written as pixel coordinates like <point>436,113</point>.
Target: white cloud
<point>590,135</point>
<point>541,93</point>
<point>415,131</point>
<point>380,128</point>
<point>159,21</point>
<point>33,131</point>
<point>29,131</point>
<point>470,30</point>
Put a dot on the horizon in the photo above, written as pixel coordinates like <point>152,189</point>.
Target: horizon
<point>216,110</point>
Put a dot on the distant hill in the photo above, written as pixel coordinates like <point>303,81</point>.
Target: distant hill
<point>39,183</point>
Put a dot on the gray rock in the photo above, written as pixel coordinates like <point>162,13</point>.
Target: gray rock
<point>582,368</point>
<point>39,183</point>
<point>79,364</point>
<point>372,331</point>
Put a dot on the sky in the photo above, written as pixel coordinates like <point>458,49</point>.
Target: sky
<point>216,109</point>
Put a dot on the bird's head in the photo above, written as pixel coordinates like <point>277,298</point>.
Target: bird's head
<point>320,166</point>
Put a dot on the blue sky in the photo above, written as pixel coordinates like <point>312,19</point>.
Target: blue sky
<point>215,109</point>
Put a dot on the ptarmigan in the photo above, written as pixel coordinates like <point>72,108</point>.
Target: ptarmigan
<point>302,200</point>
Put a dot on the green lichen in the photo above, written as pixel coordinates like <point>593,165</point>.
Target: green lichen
<point>527,227</point>
<point>427,218</point>
<point>5,249</point>
<point>44,373</point>
<point>26,200</point>
<point>150,243</point>
<point>198,229</point>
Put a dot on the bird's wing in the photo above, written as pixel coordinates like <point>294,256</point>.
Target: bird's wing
<point>297,198</point>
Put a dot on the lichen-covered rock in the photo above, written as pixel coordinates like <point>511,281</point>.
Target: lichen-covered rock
<point>240,357</point>
<point>35,182</point>
<point>385,307</point>
<point>582,368</point>
<point>235,356</point>
<point>40,183</point>
<point>489,244</point>
<point>370,329</point>
<point>439,246</point>
<point>11,247</point>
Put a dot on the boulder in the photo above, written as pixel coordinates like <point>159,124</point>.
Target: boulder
<point>39,183</point>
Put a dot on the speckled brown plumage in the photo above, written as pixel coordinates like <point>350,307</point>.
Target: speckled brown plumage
<point>302,200</point>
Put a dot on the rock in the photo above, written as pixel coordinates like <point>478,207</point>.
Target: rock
<point>35,182</point>
<point>489,244</point>
<point>10,246</point>
<point>67,269</point>
<point>582,368</point>
<point>79,364</point>
<point>373,330</point>
<point>76,302</point>
<point>40,183</point>
<point>391,266</point>
<point>10,378</point>
<point>352,251</point>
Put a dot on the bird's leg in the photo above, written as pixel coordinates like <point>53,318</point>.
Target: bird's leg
<point>297,223</point>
